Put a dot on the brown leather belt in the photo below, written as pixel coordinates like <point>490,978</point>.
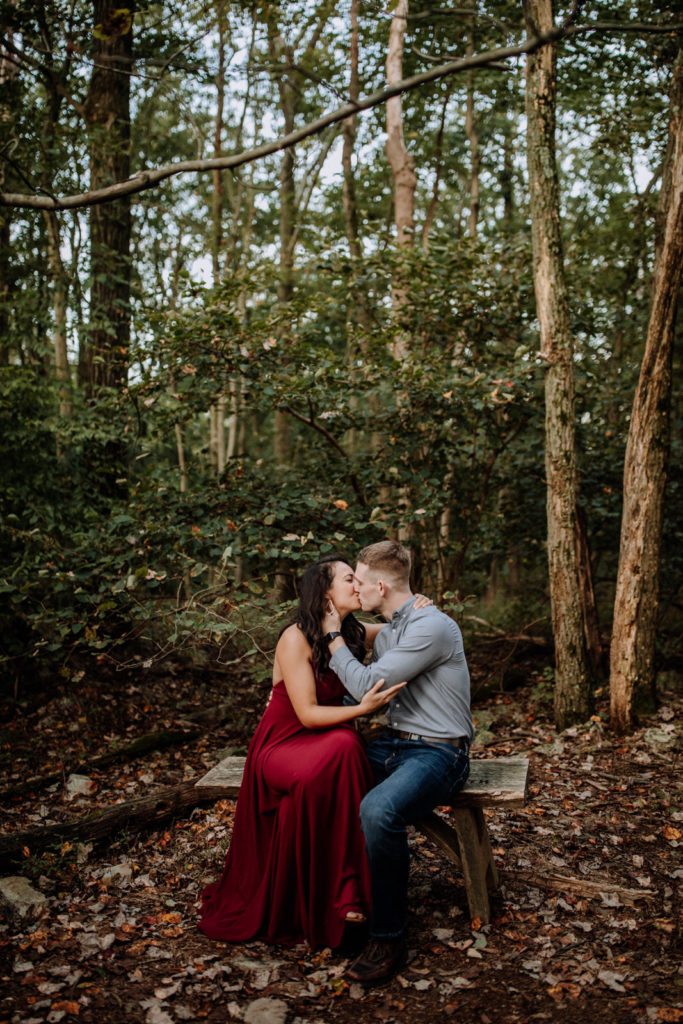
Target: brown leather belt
<point>461,742</point>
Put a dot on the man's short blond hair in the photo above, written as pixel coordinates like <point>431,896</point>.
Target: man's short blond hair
<point>388,558</point>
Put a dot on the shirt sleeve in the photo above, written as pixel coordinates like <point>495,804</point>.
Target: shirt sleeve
<point>423,644</point>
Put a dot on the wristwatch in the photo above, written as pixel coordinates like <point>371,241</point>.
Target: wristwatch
<point>329,637</point>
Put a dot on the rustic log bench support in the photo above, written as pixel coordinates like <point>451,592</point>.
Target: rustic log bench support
<point>495,783</point>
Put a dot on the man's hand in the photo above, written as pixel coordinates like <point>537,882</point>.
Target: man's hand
<point>331,619</point>
<point>377,698</point>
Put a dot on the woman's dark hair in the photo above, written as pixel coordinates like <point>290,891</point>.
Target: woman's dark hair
<point>313,588</point>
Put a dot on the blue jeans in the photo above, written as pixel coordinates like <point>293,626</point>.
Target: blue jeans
<point>411,778</point>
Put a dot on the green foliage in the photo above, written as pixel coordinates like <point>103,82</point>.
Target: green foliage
<point>444,445</point>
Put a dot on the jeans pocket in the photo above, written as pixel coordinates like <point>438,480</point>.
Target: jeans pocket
<point>459,771</point>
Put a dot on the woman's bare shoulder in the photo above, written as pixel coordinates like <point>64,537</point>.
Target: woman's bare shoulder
<point>293,640</point>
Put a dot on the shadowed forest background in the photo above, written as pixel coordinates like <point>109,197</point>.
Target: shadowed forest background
<point>436,319</point>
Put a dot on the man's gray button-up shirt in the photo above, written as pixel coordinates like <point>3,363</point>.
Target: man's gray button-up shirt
<point>425,647</point>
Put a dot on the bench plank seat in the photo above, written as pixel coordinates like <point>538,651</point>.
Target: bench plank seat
<point>500,782</point>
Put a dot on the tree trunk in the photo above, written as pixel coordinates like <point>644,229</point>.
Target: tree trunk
<point>401,162</point>
<point>348,144</point>
<point>572,676</point>
<point>288,100</point>
<point>8,71</point>
<point>217,411</point>
<point>282,444</point>
<point>507,173</point>
<point>405,183</point>
<point>438,170</point>
<point>144,812</point>
<point>5,216</point>
<point>104,363</point>
<point>473,140</point>
<point>59,293</point>
<point>588,602</point>
<point>180,448</point>
<point>632,669</point>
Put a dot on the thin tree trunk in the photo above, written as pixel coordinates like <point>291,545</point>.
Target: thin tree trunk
<point>282,444</point>
<point>8,71</point>
<point>572,675</point>
<point>181,457</point>
<point>218,191</point>
<point>348,144</point>
<point>233,419</point>
<point>5,219</point>
<point>358,317</point>
<point>434,201</point>
<point>588,602</point>
<point>405,183</point>
<point>632,668</point>
<point>59,294</point>
<point>507,174</point>
<point>473,140</point>
<point>217,410</point>
<point>400,160</point>
<point>104,363</point>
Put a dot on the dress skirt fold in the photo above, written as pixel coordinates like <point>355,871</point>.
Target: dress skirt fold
<point>296,863</point>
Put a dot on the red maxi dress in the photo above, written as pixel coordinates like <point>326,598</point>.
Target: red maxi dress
<point>296,863</point>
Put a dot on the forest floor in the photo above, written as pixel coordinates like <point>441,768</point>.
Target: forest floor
<point>587,926</point>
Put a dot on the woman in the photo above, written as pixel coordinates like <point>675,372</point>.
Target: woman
<point>296,868</point>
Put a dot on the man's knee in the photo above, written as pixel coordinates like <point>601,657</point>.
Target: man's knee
<point>377,814</point>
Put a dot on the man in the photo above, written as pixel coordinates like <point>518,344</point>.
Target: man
<point>422,758</point>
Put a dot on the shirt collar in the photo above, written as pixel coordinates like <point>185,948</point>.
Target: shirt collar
<point>403,611</point>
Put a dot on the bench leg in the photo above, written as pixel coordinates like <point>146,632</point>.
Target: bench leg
<point>468,846</point>
<point>478,868</point>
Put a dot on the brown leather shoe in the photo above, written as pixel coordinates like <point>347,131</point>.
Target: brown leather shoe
<point>379,961</point>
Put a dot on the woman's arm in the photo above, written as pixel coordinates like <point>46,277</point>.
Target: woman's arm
<point>293,657</point>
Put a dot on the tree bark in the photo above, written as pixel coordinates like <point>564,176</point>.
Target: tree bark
<point>572,676</point>
<point>632,667</point>
<point>507,173</point>
<point>348,144</point>
<point>8,71</point>
<point>473,140</point>
<point>400,160</point>
<point>217,411</point>
<point>59,294</point>
<point>405,183</point>
<point>104,363</point>
<point>180,449</point>
<point>438,170</point>
<point>588,602</point>
<point>288,91</point>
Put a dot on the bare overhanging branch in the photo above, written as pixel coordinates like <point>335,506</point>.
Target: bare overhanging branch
<point>147,179</point>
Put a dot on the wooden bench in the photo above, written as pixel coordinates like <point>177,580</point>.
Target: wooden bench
<point>496,783</point>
